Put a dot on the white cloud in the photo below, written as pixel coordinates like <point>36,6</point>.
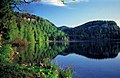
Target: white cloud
<point>53,2</point>
<point>59,3</point>
<point>69,1</point>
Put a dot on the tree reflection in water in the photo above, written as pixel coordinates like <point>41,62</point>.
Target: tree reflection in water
<point>34,54</point>
<point>96,50</point>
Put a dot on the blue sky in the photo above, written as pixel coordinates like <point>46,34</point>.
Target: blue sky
<point>75,13</point>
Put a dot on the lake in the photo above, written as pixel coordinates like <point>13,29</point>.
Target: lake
<point>86,59</point>
<point>91,59</point>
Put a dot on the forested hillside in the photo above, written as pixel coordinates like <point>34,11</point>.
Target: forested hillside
<point>93,30</point>
<point>31,28</point>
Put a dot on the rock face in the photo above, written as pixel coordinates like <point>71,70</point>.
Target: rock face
<point>94,30</point>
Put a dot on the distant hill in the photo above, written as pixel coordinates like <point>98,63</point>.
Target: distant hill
<point>93,30</point>
<point>63,28</point>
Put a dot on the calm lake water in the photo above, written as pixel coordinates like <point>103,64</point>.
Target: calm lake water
<point>91,59</point>
<point>87,59</point>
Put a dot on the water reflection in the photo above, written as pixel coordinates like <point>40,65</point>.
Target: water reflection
<point>75,57</point>
<point>83,67</point>
<point>97,50</point>
<point>34,54</point>
<point>45,52</point>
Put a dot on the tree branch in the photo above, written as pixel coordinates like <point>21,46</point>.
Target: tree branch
<point>15,6</point>
<point>22,2</point>
<point>27,2</point>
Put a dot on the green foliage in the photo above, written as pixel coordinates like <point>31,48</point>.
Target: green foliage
<point>27,56</point>
<point>65,73</point>
<point>25,26</point>
<point>5,52</point>
<point>33,29</point>
<point>13,33</point>
<point>20,29</point>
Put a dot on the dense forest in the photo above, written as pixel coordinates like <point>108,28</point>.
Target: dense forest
<point>93,30</point>
<point>26,27</point>
<point>23,27</point>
